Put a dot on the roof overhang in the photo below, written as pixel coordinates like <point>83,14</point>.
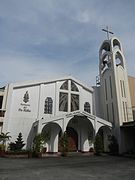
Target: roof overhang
<point>77,114</point>
<point>47,81</point>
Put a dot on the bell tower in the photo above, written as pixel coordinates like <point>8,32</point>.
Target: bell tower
<point>114,88</point>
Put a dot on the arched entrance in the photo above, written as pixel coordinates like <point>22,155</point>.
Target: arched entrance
<point>54,130</point>
<point>80,133</point>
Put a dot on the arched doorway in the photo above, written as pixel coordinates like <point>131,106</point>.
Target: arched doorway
<point>72,139</point>
<point>80,133</point>
<point>54,130</point>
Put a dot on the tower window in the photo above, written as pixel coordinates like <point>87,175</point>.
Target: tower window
<point>105,63</point>
<point>116,44</point>
<point>121,88</point>
<point>105,47</point>
<point>122,85</point>
<point>119,59</point>
<point>48,105</point>
<point>87,107</point>
<point>124,89</point>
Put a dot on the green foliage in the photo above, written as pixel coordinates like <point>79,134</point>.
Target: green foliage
<point>3,138</point>
<point>19,142</point>
<point>64,143</point>
<point>12,146</point>
<point>98,145</point>
<point>39,141</point>
<point>18,145</point>
<point>2,147</point>
<point>113,146</point>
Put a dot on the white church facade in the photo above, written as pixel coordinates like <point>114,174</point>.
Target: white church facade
<point>53,106</point>
<point>67,105</point>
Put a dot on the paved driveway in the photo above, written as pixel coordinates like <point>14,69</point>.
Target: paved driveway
<point>68,168</point>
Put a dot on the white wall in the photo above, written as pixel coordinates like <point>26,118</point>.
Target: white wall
<point>20,120</point>
<point>85,96</point>
<point>20,116</point>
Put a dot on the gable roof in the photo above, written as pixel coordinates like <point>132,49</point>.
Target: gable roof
<point>35,83</point>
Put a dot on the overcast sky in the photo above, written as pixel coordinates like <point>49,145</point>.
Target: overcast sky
<point>41,39</point>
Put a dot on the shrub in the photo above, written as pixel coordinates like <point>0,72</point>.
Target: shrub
<point>113,146</point>
<point>39,140</point>
<point>18,145</point>
<point>12,146</point>
<point>64,143</point>
<point>98,145</point>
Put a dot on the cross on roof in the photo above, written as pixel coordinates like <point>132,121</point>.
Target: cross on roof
<point>107,31</point>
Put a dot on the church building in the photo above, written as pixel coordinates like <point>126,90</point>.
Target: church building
<point>67,105</point>
<point>54,107</point>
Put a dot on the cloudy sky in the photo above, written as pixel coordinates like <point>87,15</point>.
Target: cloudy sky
<point>41,39</point>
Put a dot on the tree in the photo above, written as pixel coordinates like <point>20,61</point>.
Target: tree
<point>64,144</point>
<point>39,140</point>
<point>19,143</point>
<point>4,137</point>
<point>98,145</point>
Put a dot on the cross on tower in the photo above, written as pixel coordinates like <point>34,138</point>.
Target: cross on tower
<point>107,31</point>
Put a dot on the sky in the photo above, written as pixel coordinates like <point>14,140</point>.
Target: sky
<point>44,39</point>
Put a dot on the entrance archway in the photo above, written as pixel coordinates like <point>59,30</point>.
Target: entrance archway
<point>54,130</point>
<point>81,134</point>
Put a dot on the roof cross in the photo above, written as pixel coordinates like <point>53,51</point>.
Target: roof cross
<point>107,31</point>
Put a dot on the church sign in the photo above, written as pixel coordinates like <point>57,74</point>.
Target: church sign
<point>24,106</point>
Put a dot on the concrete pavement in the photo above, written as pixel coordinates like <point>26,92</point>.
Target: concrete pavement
<point>68,168</point>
